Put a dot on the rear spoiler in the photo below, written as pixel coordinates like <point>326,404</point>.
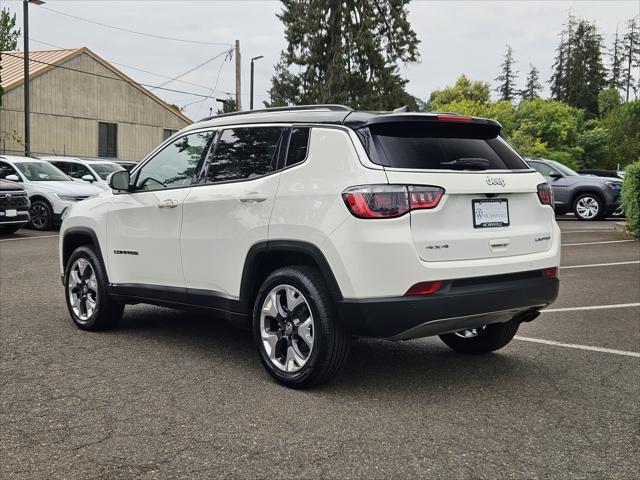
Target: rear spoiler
<point>357,121</point>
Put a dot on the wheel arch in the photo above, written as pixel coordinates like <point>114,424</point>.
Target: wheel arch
<point>75,237</point>
<point>582,190</point>
<point>265,257</point>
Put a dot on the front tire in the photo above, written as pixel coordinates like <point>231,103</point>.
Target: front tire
<point>300,341</point>
<point>86,292</point>
<point>481,340</point>
<point>588,206</point>
<point>41,215</point>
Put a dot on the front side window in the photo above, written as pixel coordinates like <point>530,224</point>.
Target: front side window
<point>542,168</point>
<point>175,165</point>
<point>243,153</point>
<point>107,140</point>
<point>77,170</point>
<point>41,172</point>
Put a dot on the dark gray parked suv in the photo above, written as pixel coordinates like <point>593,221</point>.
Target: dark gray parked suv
<point>588,197</point>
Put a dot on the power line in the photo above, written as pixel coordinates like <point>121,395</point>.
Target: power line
<point>133,31</point>
<point>226,52</point>
<point>108,77</point>
<point>138,69</point>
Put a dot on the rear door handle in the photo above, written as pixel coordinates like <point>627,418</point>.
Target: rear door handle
<point>253,197</point>
<point>168,204</point>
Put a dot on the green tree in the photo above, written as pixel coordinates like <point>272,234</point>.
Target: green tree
<point>608,100</point>
<point>630,56</point>
<point>9,35</point>
<point>616,56</point>
<point>532,87</point>
<point>507,78</point>
<point>463,90</point>
<point>579,74</point>
<point>623,126</point>
<point>344,51</point>
<point>228,106</point>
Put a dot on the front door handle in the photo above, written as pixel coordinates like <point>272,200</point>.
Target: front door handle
<point>168,204</point>
<point>253,197</point>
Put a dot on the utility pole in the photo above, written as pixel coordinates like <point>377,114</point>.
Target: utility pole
<point>25,28</point>
<point>251,89</point>
<point>238,75</point>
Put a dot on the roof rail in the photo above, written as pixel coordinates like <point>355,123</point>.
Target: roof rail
<point>329,106</point>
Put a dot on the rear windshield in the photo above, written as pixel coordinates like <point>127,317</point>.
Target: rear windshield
<point>440,146</point>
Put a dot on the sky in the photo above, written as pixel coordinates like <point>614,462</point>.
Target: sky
<point>456,37</point>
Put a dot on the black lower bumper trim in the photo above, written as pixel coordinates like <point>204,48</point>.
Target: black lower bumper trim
<point>485,299</point>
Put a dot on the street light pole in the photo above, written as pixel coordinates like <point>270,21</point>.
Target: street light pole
<point>251,89</point>
<point>25,27</point>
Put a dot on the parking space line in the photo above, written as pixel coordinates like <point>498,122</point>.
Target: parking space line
<point>579,347</point>
<point>592,307</point>
<point>594,243</point>
<point>602,264</point>
<point>27,238</point>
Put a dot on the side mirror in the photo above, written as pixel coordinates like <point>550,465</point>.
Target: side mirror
<point>120,180</point>
<point>555,175</point>
<point>88,178</point>
<point>13,178</point>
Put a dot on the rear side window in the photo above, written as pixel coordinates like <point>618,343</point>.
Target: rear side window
<point>440,146</point>
<point>298,146</point>
<point>243,153</point>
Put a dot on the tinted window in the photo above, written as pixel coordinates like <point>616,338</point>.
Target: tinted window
<point>77,170</point>
<point>440,146</point>
<point>242,153</point>
<point>175,165</point>
<point>298,145</point>
<point>104,169</point>
<point>62,166</point>
<point>107,139</point>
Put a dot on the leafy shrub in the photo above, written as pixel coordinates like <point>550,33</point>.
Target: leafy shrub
<point>631,197</point>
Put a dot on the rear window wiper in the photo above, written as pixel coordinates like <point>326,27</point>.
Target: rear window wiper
<point>468,163</point>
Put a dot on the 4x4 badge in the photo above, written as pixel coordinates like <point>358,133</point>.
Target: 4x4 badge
<point>496,181</point>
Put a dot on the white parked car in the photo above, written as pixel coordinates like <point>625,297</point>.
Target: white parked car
<point>312,224</point>
<point>51,191</point>
<point>83,170</point>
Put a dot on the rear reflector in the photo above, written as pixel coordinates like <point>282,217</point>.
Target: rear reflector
<point>390,201</point>
<point>424,288</point>
<point>551,272</point>
<point>545,194</point>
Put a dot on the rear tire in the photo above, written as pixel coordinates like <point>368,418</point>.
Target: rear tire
<point>41,215</point>
<point>305,346</point>
<point>487,339</point>
<point>588,206</point>
<point>86,293</point>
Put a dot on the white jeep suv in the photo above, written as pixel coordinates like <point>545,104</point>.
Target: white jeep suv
<point>312,224</point>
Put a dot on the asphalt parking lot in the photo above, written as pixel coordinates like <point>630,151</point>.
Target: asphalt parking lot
<point>177,395</point>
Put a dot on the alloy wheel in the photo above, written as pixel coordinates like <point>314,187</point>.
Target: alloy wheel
<point>286,328</point>
<point>82,289</point>
<point>39,216</point>
<point>587,207</point>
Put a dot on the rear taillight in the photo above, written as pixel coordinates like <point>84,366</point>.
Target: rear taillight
<point>545,194</point>
<point>424,288</point>
<point>390,201</point>
<point>551,272</point>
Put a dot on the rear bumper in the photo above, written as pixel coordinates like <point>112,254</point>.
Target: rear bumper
<point>459,304</point>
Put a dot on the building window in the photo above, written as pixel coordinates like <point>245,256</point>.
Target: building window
<point>168,133</point>
<point>107,140</point>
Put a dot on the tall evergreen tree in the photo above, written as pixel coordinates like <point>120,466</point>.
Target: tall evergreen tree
<point>9,35</point>
<point>616,55</point>
<point>532,87</point>
<point>507,77</point>
<point>344,51</point>
<point>630,56</point>
<point>579,74</point>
